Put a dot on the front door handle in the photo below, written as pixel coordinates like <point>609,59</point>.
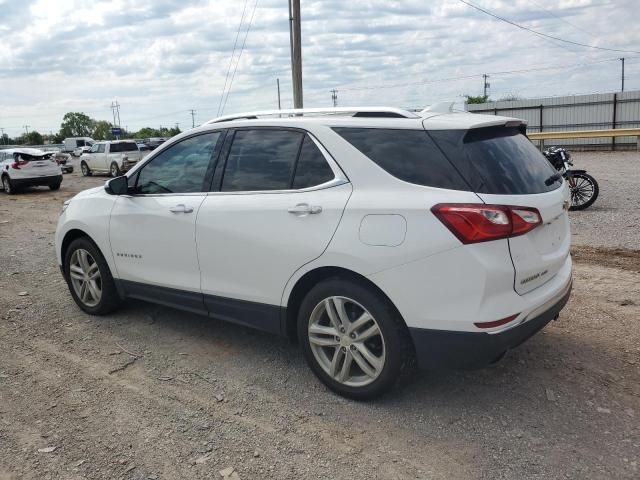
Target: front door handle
<point>305,209</point>
<point>181,208</point>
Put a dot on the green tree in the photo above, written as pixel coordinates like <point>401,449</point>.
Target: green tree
<point>33,138</point>
<point>76,124</point>
<point>102,130</point>
<point>477,99</point>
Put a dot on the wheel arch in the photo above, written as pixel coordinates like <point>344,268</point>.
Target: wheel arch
<point>307,281</point>
<point>69,237</point>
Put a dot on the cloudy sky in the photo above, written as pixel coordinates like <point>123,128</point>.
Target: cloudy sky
<point>160,58</point>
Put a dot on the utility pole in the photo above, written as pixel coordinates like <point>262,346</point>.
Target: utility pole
<point>486,84</point>
<point>178,126</point>
<point>622,60</point>
<point>296,52</point>
<point>193,118</point>
<point>334,97</point>
<point>115,108</point>
<point>278,86</point>
<point>26,129</point>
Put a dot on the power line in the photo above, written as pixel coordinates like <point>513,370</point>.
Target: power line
<point>466,77</point>
<point>233,52</point>
<point>564,20</point>
<point>244,41</point>
<point>540,34</point>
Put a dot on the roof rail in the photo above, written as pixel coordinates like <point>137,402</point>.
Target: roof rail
<point>295,112</point>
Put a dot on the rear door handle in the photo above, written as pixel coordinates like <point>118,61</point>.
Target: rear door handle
<point>305,209</point>
<point>181,208</point>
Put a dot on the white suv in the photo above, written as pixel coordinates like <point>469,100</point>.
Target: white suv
<point>27,167</point>
<point>375,236</point>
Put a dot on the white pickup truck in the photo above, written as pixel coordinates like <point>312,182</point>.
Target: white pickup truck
<point>113,158</point>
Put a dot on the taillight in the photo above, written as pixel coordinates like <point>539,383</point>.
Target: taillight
<point>18,163</point>
<point>478,222</point>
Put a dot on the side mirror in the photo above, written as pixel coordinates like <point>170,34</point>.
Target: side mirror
<point>117,186</point>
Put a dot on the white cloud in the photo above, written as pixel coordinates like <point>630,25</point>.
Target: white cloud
<point>160,58</point>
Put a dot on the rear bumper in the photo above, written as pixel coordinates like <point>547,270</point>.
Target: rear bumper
<point>27,182</point>
<point>436,349</point>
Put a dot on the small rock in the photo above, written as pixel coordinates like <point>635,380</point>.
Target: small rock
<point>202,459</point>
<point>80,463</point>
<point>256,454</point>
<point>129,468</point>
<point>551,396</point>
<point>226,472</point>
<point>219,398</point>
<point>47,449</point>
<point>603,410</point>
<point>23,294</point>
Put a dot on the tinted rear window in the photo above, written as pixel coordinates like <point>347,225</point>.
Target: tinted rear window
<point>123,147</point>
<point>497,160</point>
<point>312,168</point>
<point>410,155</point>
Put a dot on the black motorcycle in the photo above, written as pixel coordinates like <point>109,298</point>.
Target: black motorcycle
<point>584,188</point>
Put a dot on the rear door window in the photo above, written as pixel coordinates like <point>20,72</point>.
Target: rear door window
<point>497,160</point>
<point>410,155</point>
<point>261,159</point>
<point>312,168</point>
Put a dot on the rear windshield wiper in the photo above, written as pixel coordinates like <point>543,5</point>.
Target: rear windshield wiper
<point>553,179</point>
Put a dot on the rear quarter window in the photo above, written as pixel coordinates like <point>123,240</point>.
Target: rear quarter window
<point>410,155</point>
<point>497,160</point>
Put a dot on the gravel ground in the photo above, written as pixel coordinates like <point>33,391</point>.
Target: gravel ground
<point>613,221</point>
<point>155,393</point>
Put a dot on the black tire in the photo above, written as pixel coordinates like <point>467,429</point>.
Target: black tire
<point>55,186</point>
<point>7,185</point>
<point>110,300</point>
<point>114,170</point>
<point>585,184</point>
<point>84,168</point>
<point>397,344</point>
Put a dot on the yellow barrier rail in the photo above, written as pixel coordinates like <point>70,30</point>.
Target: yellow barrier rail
<point>617,132</point>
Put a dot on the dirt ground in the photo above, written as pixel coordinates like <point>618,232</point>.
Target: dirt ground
<point>155,393</point>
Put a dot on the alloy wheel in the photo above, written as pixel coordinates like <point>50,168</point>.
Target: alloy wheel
<point>581,190</point>
<point>346,341</point>
<point>86,280</point>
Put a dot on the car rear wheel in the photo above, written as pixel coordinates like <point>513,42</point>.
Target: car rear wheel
<point>7,186</point>
<point>84,168</point>
<point>55,186</point>
<point>114,170</point>
<point>90,281</point>
<point>353,340</point>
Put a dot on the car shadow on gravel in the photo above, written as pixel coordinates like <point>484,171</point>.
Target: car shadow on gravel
<point>523,375</point>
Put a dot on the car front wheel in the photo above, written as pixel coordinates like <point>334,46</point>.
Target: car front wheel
<point>353,340</point>
<point>7,186</point>
<point>84,168</point>
<point>89,278</point>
